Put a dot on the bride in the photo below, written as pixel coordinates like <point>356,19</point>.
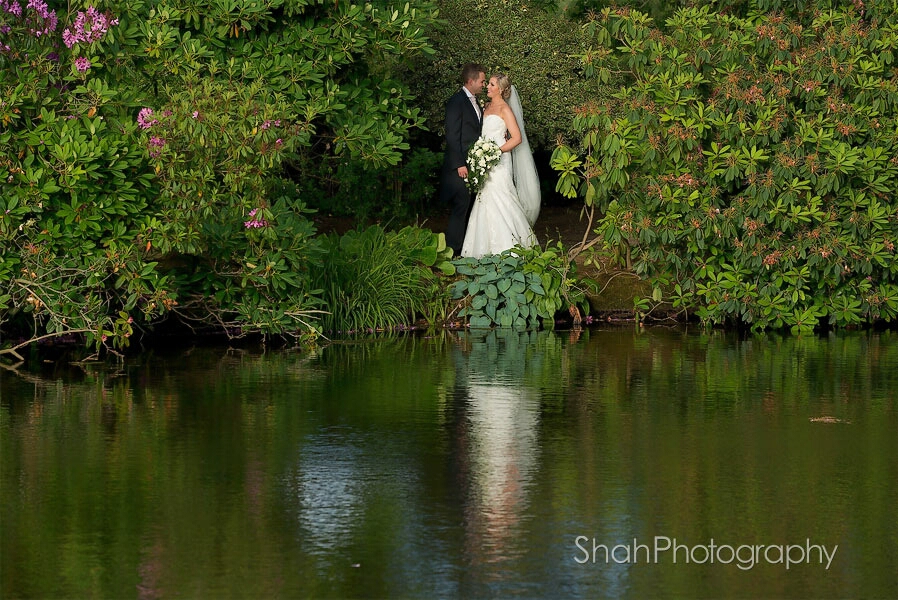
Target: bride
<point>508,203</point>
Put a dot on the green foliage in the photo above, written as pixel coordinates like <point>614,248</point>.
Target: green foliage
<point>658,10</point>
<point>517,288</point>
<point>255,275</point>
<point>72,183</point>
<point>332,63</point>
<point>537,50</point>
<point>132,157</point>
<point>872,10</point>
<point>375,280</point>
<point>350,188</point>
<point>749,166</point>
<point>214,147</point>
<point>428,248</point>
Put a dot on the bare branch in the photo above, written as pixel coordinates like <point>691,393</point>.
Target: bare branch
<point>13,349</point>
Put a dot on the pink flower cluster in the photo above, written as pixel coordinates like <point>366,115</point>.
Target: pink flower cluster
<point>145,118</point>
<point>48,18</point>
<point>82,64</point>
<point>156,144</point>
<point>254,223</point>
<point>12,7</point>
<point>268,123</point>
<point>89,26</point>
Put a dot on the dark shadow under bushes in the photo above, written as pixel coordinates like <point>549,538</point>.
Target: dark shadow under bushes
<point>342,187</point>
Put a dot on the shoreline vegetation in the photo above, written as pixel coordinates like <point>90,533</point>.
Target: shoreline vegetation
<point>731,163</point>
<point>607,302</point>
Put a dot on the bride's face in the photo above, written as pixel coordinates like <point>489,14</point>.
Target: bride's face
<point>492,89</point>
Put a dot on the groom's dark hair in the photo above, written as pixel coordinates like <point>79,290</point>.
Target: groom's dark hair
<point>471,71</point>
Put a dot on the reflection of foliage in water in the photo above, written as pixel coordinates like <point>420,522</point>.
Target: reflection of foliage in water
<point>722,369</point>
<point>174,466</point>
<point>531,358</point>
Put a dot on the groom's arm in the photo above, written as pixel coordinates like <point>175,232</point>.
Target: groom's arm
<point>454,149</point>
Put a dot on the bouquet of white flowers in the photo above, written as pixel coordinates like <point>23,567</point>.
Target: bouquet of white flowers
<point>482,157</point>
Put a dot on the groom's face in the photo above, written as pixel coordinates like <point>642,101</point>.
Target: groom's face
<point>475,86</point>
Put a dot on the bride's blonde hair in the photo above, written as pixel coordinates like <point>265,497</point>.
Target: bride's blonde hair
<point>504,84</point>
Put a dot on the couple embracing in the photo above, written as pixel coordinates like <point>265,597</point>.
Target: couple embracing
<point>504,210</point>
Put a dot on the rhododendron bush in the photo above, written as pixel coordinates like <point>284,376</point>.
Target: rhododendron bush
<point>748,166</point>
<point>142,148</point>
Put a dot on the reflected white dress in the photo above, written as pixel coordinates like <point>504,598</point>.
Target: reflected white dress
<point>497,220</point>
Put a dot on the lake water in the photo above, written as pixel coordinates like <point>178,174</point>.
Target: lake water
<point>614,463</point>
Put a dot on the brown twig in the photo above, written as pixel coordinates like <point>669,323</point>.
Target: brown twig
<point>582,245</point>
<point>13,349</point>
<point>604,287</point>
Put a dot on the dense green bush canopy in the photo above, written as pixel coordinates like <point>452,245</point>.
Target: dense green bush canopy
<point>535,48</point>
<point>749,166</point>
<point>142,147</point>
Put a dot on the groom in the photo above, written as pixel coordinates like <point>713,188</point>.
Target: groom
<point>463,118</point>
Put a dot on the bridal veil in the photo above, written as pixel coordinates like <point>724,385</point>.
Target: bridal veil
<point>526,180</point>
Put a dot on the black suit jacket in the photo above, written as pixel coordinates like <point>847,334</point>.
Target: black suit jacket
<point>462,130</point>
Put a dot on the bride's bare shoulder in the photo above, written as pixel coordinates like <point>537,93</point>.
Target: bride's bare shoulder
<point>508,114</point>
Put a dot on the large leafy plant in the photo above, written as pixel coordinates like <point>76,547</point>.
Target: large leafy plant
<point>520,288</point>
<point>748,167</point>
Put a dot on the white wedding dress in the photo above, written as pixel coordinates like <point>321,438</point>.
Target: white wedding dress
<point>497,221</point>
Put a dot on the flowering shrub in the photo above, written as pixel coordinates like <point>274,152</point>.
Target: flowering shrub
<point>145,118</point>
<point>88,27</point>
<point>255,223</point>
<point>71,186</point>
<point>241,97</point>
<point>483,155</point>
<point>143,150</point>
<point>748,168</point>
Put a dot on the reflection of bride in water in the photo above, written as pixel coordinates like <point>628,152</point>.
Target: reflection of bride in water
<point>502,415</point>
